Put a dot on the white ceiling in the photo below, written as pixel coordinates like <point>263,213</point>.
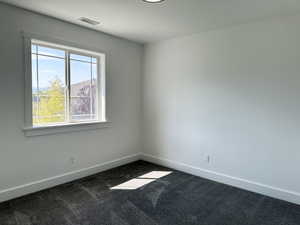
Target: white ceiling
<point>139,21</point>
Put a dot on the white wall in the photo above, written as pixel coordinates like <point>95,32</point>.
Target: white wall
<point>24,160</point>
<point>232,94</point>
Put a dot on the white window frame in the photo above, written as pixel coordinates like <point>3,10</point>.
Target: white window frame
<point>100,122</point>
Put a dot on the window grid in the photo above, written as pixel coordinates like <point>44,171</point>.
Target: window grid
<point>67,93</point>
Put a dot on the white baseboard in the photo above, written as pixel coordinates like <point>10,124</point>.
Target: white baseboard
<point>32,187</point>
<point>267,190</point>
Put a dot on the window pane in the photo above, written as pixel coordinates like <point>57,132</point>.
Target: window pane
<point>51,102</point>
<point>34,88</point>
<point>33,48</point>
<point>51,107</point>
<point>34,73</point>
<point>50,70</point>
<point>51,51</point>
<point>80,108</point>
<point>94,91</point>
<point>49,99</point>
<point>35,111</point>
<point>80,57</point>
<point>80,75</point>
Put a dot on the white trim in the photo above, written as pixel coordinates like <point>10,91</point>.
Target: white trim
<point>267,190</point>
<point>64,47</point>
<point>64,128</point>
<point>32,187</point>
<point>102,118</point>
<point>27,81</point>
<point>60,41</point>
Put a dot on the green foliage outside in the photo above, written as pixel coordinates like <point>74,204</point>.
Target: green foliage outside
<point>49,106</point>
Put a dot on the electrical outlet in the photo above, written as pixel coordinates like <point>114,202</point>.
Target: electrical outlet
<point>208,158</point>
<point>72,160</point>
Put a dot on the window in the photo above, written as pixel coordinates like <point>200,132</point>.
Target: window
<point>67,85</point>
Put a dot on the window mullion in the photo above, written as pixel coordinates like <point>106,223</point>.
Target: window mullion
<point>37,85</point>
<point>99,91</point>
<point>91,91</point>
<point>68,91</point>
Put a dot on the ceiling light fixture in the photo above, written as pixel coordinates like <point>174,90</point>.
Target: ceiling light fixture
<point>153,1</point>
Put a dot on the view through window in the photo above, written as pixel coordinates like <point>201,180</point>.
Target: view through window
<point>64,85</point>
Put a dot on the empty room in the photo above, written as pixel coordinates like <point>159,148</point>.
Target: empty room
<point>149,112</point>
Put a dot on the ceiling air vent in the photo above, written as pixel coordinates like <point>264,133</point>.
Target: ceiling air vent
<point>89,21</point>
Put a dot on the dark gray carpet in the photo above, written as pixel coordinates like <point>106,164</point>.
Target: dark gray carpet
<point>176,199</point>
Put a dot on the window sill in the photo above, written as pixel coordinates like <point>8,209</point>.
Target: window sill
<point>64,128</point>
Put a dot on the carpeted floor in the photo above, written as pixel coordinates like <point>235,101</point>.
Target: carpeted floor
<point>174,199</point>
